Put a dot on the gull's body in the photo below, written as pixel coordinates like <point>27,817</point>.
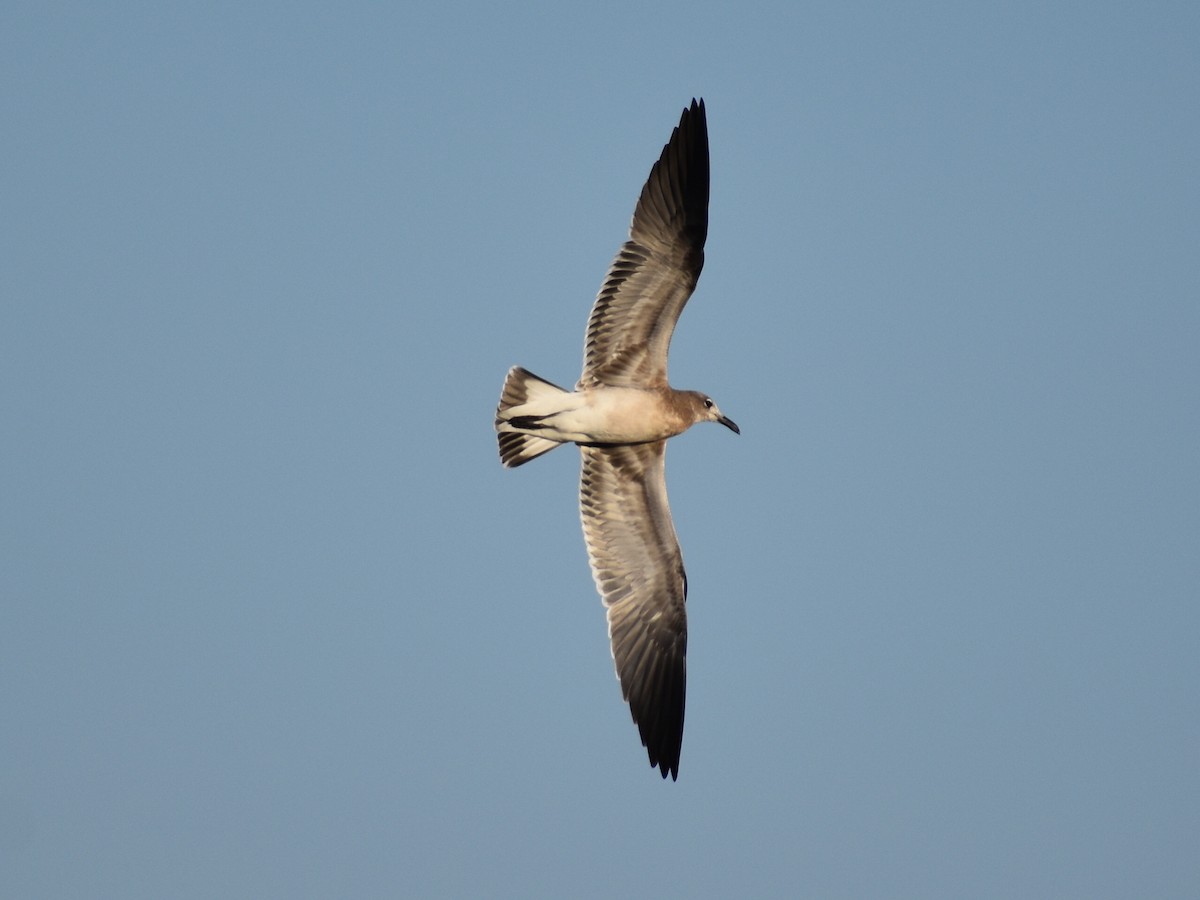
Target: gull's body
<point>620,414</point>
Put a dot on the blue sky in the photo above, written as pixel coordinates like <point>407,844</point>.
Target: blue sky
<point>275,623</point>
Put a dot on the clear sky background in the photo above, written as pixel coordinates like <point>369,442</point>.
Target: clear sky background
<point>274,622</point>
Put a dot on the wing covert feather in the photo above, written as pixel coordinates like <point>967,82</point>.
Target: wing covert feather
<point>655,271</point>
<point>638,568</point>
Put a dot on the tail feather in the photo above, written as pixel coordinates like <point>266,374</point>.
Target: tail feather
<point>521,387</point>
<point>516,449</point>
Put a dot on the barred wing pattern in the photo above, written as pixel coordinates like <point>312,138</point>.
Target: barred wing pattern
<point>638,569</point>
<point>655,271</point>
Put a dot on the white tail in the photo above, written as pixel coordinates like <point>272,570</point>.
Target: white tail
<point>522,387</point>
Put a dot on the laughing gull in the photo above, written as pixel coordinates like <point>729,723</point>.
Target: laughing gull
<point>620,414</point>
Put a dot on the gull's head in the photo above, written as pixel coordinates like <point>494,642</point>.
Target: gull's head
<point>705,410</point>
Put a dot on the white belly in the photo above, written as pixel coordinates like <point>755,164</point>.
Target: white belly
<point>605,415</point>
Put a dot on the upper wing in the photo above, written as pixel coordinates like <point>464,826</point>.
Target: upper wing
<point>638,569</point>
<point>655,271</point>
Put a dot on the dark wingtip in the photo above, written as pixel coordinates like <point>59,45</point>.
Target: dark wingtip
<point>665,768</point>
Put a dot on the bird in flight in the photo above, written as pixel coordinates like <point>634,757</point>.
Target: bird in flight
<point>621,413</point>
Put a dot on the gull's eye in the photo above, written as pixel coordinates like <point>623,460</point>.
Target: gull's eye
<point>708,403</point>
